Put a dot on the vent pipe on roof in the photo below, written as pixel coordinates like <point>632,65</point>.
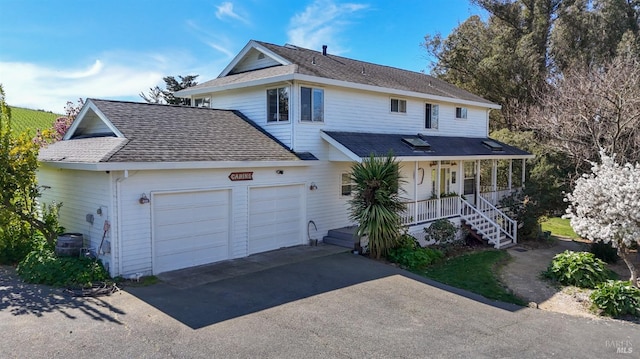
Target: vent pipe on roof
<point>313,61</point>
<point>324,50</point>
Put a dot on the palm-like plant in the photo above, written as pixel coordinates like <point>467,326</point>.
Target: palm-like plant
<point>376,203</point>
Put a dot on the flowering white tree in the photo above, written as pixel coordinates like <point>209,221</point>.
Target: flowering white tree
<point>605,206</point>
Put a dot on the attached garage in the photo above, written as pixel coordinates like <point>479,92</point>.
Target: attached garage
<point>275,217</point>
<point>181,186</point>
<point>190,228</point>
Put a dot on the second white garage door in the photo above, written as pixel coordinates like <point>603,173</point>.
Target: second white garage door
<point>275,217</point>
<point>190,229</point>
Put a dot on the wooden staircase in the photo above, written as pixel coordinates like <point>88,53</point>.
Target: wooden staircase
<point>488,223</point>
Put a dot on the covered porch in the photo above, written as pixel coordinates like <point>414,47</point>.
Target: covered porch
<point>433,188</point>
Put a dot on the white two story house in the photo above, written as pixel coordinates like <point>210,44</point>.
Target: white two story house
<point>262,159</point>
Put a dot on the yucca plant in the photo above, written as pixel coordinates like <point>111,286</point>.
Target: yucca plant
<point>376,203</point>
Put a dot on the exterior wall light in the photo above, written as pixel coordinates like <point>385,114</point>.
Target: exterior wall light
<point>144,199</point>
<point>313,186</point>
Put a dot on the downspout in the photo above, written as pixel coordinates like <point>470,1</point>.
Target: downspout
<point>119,181</point>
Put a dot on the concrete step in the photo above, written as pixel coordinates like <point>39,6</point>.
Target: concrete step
<point>345,233</point>
<point>341,242</point>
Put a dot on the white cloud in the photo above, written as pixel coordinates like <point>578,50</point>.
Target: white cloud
<point>320,23</point>
<point>215,41</point>
<point>225,10</point>
<point>45,87</point>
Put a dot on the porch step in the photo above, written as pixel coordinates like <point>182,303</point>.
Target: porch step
<point>489,230</point>
<point>343,237</point>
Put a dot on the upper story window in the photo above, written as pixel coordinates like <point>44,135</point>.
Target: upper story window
<point>431,112</point>
<point>202,102</point>
<point>311,104</point>
<point>398,105</point>
<point>461,112</point>
<point>278,104</point>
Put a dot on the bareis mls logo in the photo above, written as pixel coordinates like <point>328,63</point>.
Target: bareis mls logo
<point>621,346</point>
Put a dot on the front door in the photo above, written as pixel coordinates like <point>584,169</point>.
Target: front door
<point>470,181</point>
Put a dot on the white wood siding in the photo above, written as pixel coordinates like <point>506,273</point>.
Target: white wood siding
<point>81,193</point>
<point>253,104</point>
<point>135,217</point>
<point>252,61</point>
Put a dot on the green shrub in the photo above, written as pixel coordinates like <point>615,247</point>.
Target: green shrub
<point>441,231</point>
<point>414,258</point>
<point>616,298</point>
<point>580,269</point>
<point>17,240</point>
<point>407,241</point>
<point>43,267</point>
<point>605,251</point>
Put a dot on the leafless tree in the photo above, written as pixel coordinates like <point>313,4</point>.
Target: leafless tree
<point>590,109</point>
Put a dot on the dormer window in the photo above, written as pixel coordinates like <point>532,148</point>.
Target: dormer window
<point>461,113</point>
<point>398,105</point>
<point>278,104</point>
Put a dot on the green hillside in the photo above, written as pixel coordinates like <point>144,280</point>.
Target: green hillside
<point>23,119</point>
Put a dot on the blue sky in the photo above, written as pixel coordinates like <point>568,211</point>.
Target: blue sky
<point>55,51</point>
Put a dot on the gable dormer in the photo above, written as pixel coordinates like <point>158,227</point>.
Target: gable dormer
<point>91,122</point>
<point>253,56</point>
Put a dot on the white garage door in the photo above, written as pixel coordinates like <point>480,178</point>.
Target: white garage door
<point>190,229</point>
<point>275,217</point>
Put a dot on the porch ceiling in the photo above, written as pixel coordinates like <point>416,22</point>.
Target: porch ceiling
<point>361,145</point>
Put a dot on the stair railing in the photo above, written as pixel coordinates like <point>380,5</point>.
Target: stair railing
<point>468,211</point>
<point>507,225</point>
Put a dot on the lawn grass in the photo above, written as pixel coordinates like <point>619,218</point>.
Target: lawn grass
<point>559,227</point>
<point>24,119</point>
<point>475,272</point>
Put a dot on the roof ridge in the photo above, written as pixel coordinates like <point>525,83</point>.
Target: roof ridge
<point>158,104</point>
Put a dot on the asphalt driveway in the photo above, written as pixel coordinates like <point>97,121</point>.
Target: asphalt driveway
<point>338,305</point>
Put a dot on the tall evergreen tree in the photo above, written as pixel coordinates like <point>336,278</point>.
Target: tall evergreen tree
<point>158,95</point>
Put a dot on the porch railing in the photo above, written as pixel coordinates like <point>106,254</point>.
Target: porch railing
<point>490,230</point>
<point>507,225</point>
<point>430,210</point>
<point>494,197</point>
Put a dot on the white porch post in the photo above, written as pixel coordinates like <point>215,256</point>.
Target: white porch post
<point>524,161</point>
<point>460,177</point>
<point>510,180</point>
<point>415,192</point>
<point>477,179</point>
<point>438,204</point>
<point>494,180</point>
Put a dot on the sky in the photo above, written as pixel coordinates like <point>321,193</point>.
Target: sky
<point>52,52</point>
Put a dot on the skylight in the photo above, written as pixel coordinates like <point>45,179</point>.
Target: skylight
<point>493,146</point>
<point>417,143</point>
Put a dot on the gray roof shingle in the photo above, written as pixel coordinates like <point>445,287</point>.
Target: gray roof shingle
<point>168,133</point>
<point>364,144</point>
<point>313,63</point>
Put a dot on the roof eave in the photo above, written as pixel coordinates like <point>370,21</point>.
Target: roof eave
<point>338,83</point>
<point>121,166</point>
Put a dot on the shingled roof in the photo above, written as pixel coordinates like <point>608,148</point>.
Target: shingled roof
<point>365,144</point>
<point>168,133</point>
<point>314,63</point>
